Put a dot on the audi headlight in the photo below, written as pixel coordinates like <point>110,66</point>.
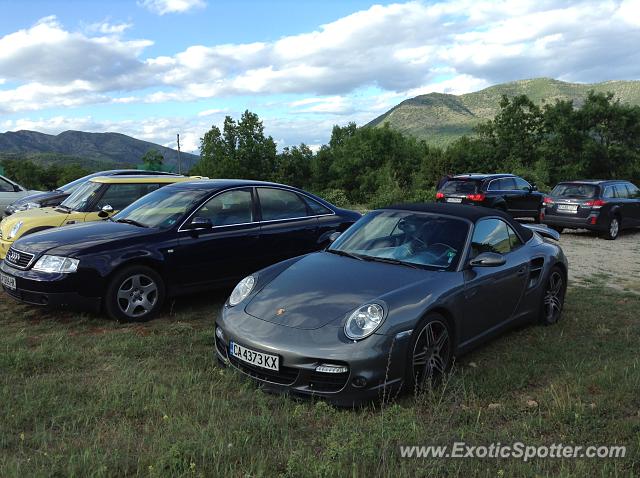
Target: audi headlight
<point>64,265</point>
<point>364,321</point>
<point>14,230</point>
<point>242,290</point>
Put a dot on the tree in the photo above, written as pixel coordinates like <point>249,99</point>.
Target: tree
<point>152,160</point>
<point>611,136</point>
<point>33,175</point>
<point>240,150</point>
<point>293,166</point>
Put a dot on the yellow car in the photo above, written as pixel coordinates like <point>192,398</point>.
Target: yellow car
<point>97,199</point>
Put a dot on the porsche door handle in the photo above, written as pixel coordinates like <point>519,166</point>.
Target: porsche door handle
<point>522,271</point>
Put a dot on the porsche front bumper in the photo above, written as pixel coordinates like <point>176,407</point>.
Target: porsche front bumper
<point>375,366</point>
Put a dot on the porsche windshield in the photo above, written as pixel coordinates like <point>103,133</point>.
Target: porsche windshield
<point>162,208</point>
<point>405,237</point>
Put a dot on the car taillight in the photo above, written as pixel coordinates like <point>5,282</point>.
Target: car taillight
<point>439,195</point>
<point>547,200</point>
<point>595,203</point>
<point>476,197</point>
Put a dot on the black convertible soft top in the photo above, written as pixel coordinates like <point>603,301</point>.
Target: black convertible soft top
<point>472,213</point>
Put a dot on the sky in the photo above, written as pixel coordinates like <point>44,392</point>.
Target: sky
<point>155,68</point>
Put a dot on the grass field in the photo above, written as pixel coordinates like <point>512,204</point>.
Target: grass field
<point>84,396</point>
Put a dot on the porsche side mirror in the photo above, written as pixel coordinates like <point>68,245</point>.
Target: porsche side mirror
<point>488,259</point>
<point>199,223</point>
<point>16,188</point>
<point>533,188</point>
<point>333,236</point>
<point>106,211</point>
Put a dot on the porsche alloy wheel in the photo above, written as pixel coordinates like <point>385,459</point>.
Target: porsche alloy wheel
<point>431,352</point>
<point>553,297</point>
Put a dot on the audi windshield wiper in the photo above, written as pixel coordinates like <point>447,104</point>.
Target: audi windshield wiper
<point>132,222</point>
<point>338,252</point>
<point>390,260</point>
<point>63,207</point>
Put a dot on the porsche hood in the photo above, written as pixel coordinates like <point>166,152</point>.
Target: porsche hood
<point>324,287</point>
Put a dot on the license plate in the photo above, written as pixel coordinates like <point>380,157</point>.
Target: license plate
<point>569,208</point>
<point>456,200</point>
<point>258,359</point>
<point>8,281</point>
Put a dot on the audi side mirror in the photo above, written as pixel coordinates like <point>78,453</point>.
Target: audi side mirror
<point>199,223</point>
<point>488,259</point>
<point>16,188</point>
<point>533,188</point>
<point>106,211</point>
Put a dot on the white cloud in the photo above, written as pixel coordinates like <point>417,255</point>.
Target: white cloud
<point>458,85</point>
<point>629,12</point>
<point>399,50</point>
<point>48,54</point>
<point>109,28</point>
<point>331,104</point>
<point>211,112</point>
<point>162,7</point>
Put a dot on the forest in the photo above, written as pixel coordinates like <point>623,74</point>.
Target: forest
<point>374,166</point>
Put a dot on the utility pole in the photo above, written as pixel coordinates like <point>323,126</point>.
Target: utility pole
<point>179,159</point>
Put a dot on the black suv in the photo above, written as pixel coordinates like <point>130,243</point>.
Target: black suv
<point>506,192</point>
<point>603,206</point>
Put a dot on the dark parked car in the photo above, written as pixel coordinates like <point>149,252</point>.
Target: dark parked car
<point>175,240</point>
<point>505,192</point>
<point>55,197</point>
<point>603,206</point>
<point>391,301</point>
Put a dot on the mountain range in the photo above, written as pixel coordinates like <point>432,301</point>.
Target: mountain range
<point>440,118</point>
<point>92,150</point>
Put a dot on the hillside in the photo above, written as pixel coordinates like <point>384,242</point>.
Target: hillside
<point>92,150</point>
<point>441,118</point>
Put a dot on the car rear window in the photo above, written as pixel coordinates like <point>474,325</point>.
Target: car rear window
<point>460,186</point>
<point>575,191</point>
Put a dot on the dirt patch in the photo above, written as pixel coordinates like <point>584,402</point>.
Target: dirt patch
<point>593,260</point>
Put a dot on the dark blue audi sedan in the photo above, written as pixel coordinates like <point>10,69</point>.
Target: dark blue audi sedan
<point>178,239</point>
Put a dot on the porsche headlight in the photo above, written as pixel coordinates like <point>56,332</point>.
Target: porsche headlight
<point>242,290</point>
<point>364,321</point>
<point>64,265</point>
<point>14,230</point>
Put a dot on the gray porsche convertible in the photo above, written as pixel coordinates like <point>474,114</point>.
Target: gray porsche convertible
<point>391,302</point>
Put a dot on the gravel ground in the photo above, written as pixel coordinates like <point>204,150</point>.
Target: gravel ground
<point>594,260</point>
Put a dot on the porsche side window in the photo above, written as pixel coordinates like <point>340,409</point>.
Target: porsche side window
<point>490,235</point>
<point>514,240</point>
<point>226,209</point>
